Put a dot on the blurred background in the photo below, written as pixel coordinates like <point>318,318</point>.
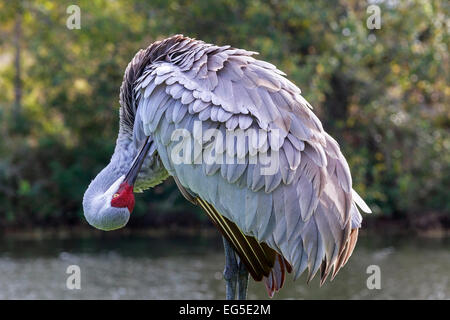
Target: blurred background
<point>382,93</point>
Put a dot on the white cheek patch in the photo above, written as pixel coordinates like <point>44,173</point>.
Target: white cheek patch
<point>114,187</point>
<point>107,196</point>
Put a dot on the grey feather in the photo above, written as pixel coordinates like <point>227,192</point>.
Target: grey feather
<point>360,202</point>
<point>232,123</point>
<point>149,90</point>
<point>300,211</point>
<point>251,209</point>
<point>179,111</point>
<point>264,214</point>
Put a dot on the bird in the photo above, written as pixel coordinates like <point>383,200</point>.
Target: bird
<point>216,119</point>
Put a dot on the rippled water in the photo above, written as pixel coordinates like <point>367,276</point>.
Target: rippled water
<point>191,268</point>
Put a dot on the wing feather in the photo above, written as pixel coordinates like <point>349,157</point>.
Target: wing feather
<point>302,210</point>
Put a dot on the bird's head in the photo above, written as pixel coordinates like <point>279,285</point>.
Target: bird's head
<point>110,209</point>
<point>109,199</point>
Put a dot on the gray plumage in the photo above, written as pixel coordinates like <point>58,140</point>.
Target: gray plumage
<point>307,210</point>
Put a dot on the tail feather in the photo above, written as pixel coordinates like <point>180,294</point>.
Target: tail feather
<point>264,263</point>
<point>274,282</point>
<point>346,252</point>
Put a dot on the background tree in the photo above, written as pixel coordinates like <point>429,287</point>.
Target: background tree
<point>383,94</point>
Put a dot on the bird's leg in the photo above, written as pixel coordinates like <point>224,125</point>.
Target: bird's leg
<point>230,274</point>
<point>242,281</point>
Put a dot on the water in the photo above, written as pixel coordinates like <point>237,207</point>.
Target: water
<point>191,268</point>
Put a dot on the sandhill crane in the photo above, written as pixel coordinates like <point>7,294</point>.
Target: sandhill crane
<point>180,102</point>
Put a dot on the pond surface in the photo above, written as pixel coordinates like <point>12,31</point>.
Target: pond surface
<point>191,268</point>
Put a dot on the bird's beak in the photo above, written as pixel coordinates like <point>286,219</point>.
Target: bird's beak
<point>132,174</point>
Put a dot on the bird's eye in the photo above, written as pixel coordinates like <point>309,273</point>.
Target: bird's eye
<point>115,195</point>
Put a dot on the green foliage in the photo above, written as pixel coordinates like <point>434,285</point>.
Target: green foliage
<point>383,93</point>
